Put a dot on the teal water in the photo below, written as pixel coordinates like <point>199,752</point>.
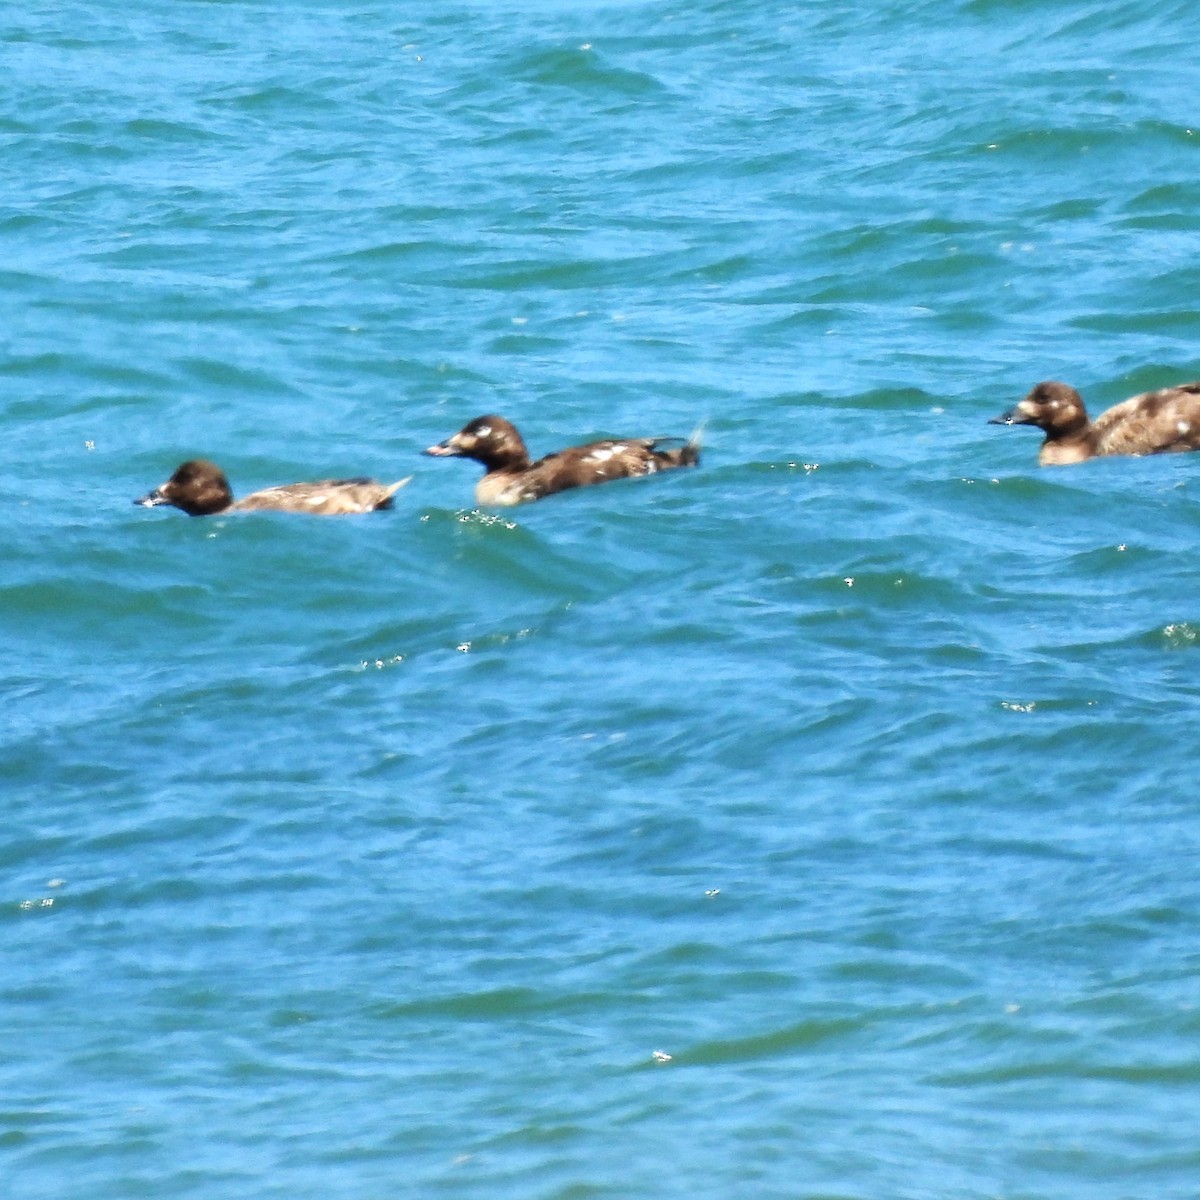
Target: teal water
<point>821,823</point>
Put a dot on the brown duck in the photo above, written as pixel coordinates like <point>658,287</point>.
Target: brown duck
<point>200,488</point>
<point>1162,422</point>
<point>510,477</point>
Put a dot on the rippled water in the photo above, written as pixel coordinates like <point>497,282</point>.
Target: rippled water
<point>819,823</point>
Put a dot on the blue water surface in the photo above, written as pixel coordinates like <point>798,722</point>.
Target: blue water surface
<point>817,824</point>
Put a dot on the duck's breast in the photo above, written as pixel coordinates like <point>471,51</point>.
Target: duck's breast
<point>502,489</point>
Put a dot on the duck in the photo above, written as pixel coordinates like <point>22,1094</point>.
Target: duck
<point>200,489</point>
<point>1163,422</point>
<point>511,478</point>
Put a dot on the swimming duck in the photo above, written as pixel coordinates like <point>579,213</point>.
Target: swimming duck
<point>1162,422</point>
<point>200,488</point>
<point>510,478</point>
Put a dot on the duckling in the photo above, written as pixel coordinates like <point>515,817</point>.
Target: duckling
<point>1162,422</point>
<point>510,477</point>
<point>200,488</point>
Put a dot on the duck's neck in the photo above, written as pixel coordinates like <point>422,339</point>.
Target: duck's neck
<point>509,455</point>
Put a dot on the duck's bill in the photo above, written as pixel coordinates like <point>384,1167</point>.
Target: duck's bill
<point>1013,416</point>
<point>152,499</point>
<point>445,449</point>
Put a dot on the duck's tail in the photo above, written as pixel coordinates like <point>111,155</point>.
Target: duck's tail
<point>686,455</point>
<point>393,488</point>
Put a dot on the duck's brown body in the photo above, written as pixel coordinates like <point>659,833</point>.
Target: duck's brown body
<point>200,489</point>
<point>1163,422</point>
<point>511,478</point>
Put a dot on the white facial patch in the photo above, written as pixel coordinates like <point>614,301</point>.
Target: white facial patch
<point>1183,426</point>
<point>315,500</point>
<point>603,453</point>
<point>483,431</point>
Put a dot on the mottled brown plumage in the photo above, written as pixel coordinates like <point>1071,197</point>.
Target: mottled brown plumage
<point>200,489</point>
<point>1162,422</point>
<point>510,477</point>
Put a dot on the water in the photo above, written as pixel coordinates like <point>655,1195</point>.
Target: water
<point>853,771</point>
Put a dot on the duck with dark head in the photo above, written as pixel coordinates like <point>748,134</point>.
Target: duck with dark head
<point>200,489</point>
<point>511,478</point>
<point>1163,422</point>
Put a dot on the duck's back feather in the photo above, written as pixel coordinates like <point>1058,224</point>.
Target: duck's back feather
<point>324,497</point>
<point>1161,422</point>
<point>582,466</point>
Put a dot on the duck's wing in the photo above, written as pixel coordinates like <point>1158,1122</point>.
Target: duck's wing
<point>324,497</point>
<point>615,458</point>
<point>1160,422</point>
<point>584,466</point>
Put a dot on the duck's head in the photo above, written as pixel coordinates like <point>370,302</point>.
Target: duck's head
<point>198,487</point>
<point>490,440</point>
<point>1054,407</point>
